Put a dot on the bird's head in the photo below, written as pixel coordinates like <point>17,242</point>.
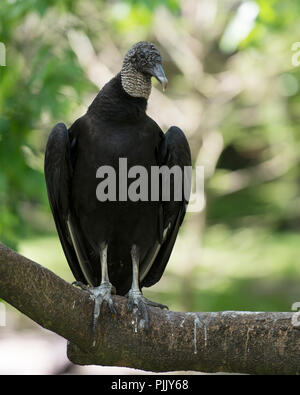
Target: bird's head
<point>142,62</point>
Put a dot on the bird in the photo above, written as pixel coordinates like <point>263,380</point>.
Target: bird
<point>117,246</point>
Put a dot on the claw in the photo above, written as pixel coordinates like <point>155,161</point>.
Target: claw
<point>136,298</point>
<point>81,285</point>
<point>155,304</point>
<point>100,294</point>
<point>112,306</point>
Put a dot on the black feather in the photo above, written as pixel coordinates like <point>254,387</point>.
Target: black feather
<point>115,126</point>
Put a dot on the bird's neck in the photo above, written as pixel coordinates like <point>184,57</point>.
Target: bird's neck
<point>135,83</point>
<point>113,103</point>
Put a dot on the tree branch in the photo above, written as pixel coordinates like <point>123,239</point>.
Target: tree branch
<point>245,342</point>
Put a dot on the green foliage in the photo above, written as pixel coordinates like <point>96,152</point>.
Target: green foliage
<point>32,88</point>
<point>172,5</point>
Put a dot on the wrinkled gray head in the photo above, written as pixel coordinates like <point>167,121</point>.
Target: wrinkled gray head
<point>142,62</point>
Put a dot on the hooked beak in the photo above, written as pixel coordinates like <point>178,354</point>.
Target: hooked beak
<point>159,74</point>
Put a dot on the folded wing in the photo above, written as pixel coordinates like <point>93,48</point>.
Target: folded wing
<point>59,158</point>
<point>173,151</point>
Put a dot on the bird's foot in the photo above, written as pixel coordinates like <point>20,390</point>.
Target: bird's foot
<point>155,304</point>
<point>99,294</point>
<point>136,298</point>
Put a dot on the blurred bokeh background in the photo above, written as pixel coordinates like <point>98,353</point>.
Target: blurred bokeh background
<point>233,69</point>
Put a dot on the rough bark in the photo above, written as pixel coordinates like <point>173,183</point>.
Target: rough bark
<point>240,342</point>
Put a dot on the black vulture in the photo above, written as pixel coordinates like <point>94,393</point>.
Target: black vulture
<point>118,245</point>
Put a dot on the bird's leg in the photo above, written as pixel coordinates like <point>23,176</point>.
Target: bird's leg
<point>135,296</point>
<point>105,289</point>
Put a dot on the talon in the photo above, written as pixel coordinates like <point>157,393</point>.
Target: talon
<point>100,294</point>
<point>81,285</point>
<point>112,306</point>
<point>129,306</point>
<point>155,304</point>
<point>146,324</point>
<point>136,298</point>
